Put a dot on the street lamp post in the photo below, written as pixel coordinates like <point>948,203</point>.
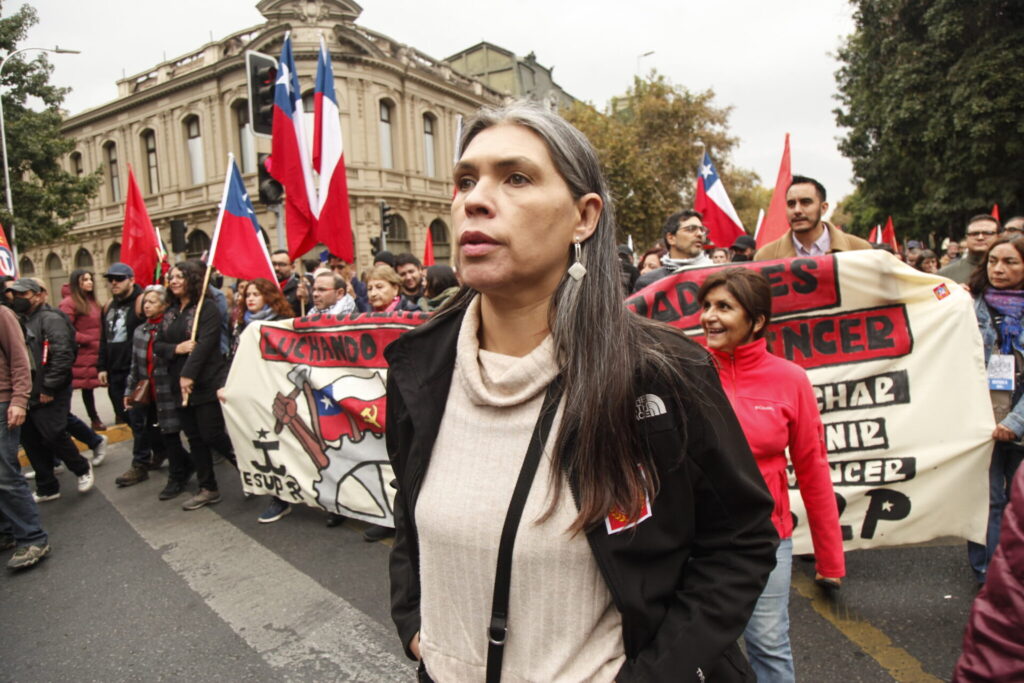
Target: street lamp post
<point>641,56</point>
<point>3,136</point>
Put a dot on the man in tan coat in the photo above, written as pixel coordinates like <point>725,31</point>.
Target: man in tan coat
<point>808,235</point>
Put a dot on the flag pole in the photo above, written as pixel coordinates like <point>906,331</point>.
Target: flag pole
<point>209,258</point>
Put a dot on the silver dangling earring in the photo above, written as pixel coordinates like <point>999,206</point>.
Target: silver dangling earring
<point>577,270</point>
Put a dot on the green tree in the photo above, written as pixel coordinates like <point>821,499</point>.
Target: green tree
<point>45,196</point>
<point>930,91</point>
<point>650,142</point>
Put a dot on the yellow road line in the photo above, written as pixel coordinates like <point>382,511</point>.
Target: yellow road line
<point>899,663</point>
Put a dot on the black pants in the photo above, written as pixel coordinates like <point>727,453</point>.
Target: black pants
<point>116,382</point>
<point>45,436</point>
<point>82,431</point>
<point>203,424</point>
<point>89,400</point>
<point>167,444</point>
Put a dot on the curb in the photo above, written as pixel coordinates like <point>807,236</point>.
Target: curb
<point>114,434</point>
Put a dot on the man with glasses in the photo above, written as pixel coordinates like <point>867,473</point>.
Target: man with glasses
<point>685,236</point>
<point>982,232</point>
<point>808,234</point>
<point>293,286</point>
<point>356,287</point>
<point>1014,226</point>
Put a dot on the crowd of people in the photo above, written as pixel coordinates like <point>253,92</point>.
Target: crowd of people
<point>574,432</point>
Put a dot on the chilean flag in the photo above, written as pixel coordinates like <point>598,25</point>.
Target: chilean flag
<point>292,167</point>
<point>334,226</point>
<point>245,254</point>
<point>720,217</point>
<point>350,407</point>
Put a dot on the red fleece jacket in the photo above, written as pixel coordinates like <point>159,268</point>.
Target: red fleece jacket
<point>775,404</point>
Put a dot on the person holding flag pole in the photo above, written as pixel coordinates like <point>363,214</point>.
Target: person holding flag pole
<point>190,337</point>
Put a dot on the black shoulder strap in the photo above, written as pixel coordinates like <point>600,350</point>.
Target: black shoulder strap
<point>497,631</point>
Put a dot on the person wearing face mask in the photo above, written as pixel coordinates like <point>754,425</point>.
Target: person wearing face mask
<point>775,404</point>
<point>51,345</point>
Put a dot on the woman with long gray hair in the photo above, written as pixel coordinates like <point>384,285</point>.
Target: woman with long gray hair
<point>575,497</point>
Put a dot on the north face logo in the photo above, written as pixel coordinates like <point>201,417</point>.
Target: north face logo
<point>648,406</point>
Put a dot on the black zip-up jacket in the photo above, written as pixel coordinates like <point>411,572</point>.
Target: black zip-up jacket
<point>51,343</point>
<point>685,580</point>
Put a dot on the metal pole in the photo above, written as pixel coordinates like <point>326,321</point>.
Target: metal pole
<point>3,140</point>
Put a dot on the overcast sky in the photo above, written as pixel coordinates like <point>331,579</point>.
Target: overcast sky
<point>771,60</point>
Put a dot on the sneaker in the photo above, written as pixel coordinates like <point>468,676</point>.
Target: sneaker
<point>377,533</point>
<point>46,497</point>
<point>7,542</point>
<point>172,490</point>
<point>86,481</point>
<point>59,468</point>
<point>201,499</point>
<point>275,511</point>
<point>28,556</point>
<point>334,519</point>
<point>99,453</point>
<point>31,474</point>
<point>134,475</point>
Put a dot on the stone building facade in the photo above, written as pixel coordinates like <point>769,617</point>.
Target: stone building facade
<point>176,123</point>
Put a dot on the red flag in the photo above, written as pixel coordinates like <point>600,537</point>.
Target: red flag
<point>140,244</point>
<point>775,223</point>
<point>889,235</point>
<point>995,211</point>
<point>428,250</point>
<point>875,236</point>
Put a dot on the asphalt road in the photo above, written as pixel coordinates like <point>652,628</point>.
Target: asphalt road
<point>137,589</point>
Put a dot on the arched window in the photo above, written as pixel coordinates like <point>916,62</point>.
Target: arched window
<point>113,253</point>
<point>442,243</point>
<point>55,277</point>
<point>149,148</point>
<point>246,141</point>
<point>398,235</point>
<point>387,114</point>
<point>83,259</point>
<point>26,267</point>
<point>194,144</point>
<point>196,243</point>
<point>429,146</point>
<point>76,164</point>
<point>113,175</point>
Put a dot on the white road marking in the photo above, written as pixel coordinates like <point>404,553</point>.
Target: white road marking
<point>296,625</point>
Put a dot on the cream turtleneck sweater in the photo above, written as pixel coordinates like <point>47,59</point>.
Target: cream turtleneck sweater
<point>563,625</point>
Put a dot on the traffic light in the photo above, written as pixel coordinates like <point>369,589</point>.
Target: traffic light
<point>270,190</point>
<point>261,70</point>
<point>387,219</point>
<point>375,246</point>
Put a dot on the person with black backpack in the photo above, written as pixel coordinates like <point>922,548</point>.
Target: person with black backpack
<point>52,350</point>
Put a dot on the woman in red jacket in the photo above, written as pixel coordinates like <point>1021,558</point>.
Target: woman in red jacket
<point>84,313</point>
<point>775,404</point>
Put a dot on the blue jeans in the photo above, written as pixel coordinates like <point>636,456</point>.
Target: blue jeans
<point>767,632</point>
<point>19,516</point>
<point>1006,458</point>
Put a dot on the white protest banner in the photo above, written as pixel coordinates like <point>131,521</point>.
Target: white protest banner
<point>897,365</point>
<point>305,409</point>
